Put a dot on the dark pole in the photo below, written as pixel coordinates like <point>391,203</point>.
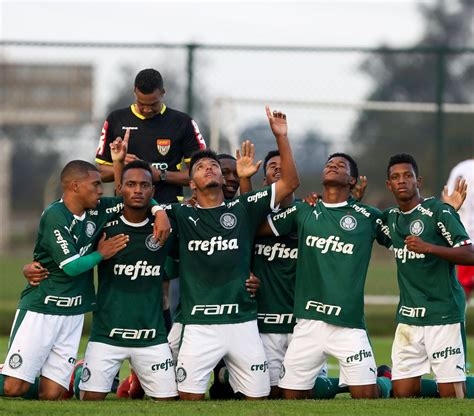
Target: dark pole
<point>439,167</point>
<point>190,73</point>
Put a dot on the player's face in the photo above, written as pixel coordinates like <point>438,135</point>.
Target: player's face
<point>137,188</point>
<point>272,172</point>
<point>337,172</point>
<point>206,174</point>
<point>402,182</point>
<point>149,105</point>
<point>89,189</point>
<point>231,180</point>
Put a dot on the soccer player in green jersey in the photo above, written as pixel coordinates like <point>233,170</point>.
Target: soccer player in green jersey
<point>428,240</point>
<point>48,324</point>
<point>335,240</point>
<point>215,245</point>
<point>128,323</point>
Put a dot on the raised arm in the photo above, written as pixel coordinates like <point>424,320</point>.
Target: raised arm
<point>289,179</point>
<point>458,196</point>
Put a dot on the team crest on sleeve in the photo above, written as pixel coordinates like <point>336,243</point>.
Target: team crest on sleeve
<point>152,244</point>
<point>15,361</point>
<point>348,223</point>
<point>90,228</point>
<point>416,227</point>
<point>180,374</point>
<point>163,146</point>
<point>228,220</point>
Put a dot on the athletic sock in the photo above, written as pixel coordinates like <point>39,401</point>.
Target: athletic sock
<point>327,388</point>
<point>2,382</point>
<point>385,387</point>
<point>429,388</point>
<point>469,387</point>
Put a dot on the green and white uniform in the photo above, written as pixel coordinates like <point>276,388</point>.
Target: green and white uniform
<point>48,324</point>
<point>334,250</point>
<point>215,247</point>
<point>128,322</point>
<point>431,299</point>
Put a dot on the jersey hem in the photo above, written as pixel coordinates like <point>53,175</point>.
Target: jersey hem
<point>48,312</point>
<point>126,345</point>
<point>440,323</point>
<point>336,323</point>
<point>237,321</point>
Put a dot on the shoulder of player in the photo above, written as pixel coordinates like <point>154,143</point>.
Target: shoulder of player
<point>55,210</point>
<point>368,211</point>
<point>108,203</point>
<point>177,115</point>
<point>120,113</point>
<point>437,206</point>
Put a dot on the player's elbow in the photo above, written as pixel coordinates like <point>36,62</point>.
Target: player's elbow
<point>106,172</point>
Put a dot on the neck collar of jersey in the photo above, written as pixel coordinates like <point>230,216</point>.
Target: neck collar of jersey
<point>199,206</point>
<point>336,205</point>
<point>134,224</point>
<point>77,217</point>
<point>133,107</point>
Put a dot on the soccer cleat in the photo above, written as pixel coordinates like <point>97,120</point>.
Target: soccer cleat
<point>123,388</point>
<point>77,369</point>
<point>384,371</point>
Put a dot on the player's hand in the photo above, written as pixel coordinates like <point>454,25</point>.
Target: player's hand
<point>35,273</point>
<point>312,198</point>
<point>252,284</point>
<point>358,190</point>
<point>119,147</point>
<point>417,245</point>
<point>246,167</point>
<point>109,248</point>
<point>277,121</point>
<point>130,157</point>
<point>192,202</point>
<point>457,198</point>
<point>161,227</point>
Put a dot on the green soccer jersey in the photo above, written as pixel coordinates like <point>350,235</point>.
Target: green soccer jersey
<point>130,298</point>
<point>430,293</point>
<point>274,263</point>
<point>215,248</point>
<point>334,249</point>
<point>63,237</point>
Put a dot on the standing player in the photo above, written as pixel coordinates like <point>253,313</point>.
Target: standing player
<point>215,241</point>
<point>465,171</point>
<point>48,324</point>
<point>428,239</point>
<point>335,240</point>
<point>128,323</point>
<point>159,135</point>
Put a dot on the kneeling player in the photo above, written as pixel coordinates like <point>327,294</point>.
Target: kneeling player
<point>129,321</point>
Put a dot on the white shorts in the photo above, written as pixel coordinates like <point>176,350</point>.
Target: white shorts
<point>416,349</point>
<point>313,341</point>
<point>153,365</point>
<point>174,339</point>
<point>241,348</point>
<point>43,344</point>
<point>275,346</point>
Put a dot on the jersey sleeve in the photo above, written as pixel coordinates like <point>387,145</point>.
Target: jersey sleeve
<point>57,240</point>
<point>103,155</point>
<point>193,140</point>
<point>111,206</point>
<point>382,231</point>
<point>284,222</point>
<point>259,204</point>
<point>450,226</point>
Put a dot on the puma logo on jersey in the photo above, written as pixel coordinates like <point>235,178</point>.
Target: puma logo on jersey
<point>445,210</point>
<point>317,214</point>
<point>193,220</point>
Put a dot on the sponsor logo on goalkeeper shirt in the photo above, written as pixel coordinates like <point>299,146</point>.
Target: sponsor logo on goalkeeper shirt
<point>169,363</point>
<point>128,333</point>
<point>259,195</point>
<point>214,244</point>
<point>404,254</point>
<point>322,308</point>
<point>448,351</point>
<point>61,241</point>
<point>359,356</point>
<point>140,269</point>
<point>332,243</point>
<point>276,318</point>
<point>412,312</point>
<point>224,309</point>
<point>64,301</point>
<point>277,250</point>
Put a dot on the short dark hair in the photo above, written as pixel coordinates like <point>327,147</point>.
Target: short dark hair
<point>202,154</point>
<point>148,81</point>
<point>352,163</point>
<point>77,169</point>
<point>221,156</point>
<point>270,154</point>
<point>138,164</point>
<point>402,158</point>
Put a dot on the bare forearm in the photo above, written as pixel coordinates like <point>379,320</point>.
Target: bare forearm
<point>118,169</point>
<point>458,255</point>
<point>289,179</point>
<point>180,178</point>
<point>106,172</point>
<point>245,185</point>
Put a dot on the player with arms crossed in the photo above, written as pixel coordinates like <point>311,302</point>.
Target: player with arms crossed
<point>428,240</point>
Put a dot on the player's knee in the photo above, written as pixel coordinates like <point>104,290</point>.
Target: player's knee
<point>296,394</point>
<point>364,392</point>
<point>190,396</point>
<point>92,395</point>
<point>51,395</point>
<point>14,387</point>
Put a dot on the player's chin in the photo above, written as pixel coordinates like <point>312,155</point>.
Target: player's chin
<point>212,184</point>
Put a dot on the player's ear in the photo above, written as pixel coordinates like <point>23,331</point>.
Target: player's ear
<point>353,181</point>
<point>119,189</point>
<point>75,185</point>
<point>419,182</point>
<point>388,185</point>
<point>163,92</point>
<point>192,184</point>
